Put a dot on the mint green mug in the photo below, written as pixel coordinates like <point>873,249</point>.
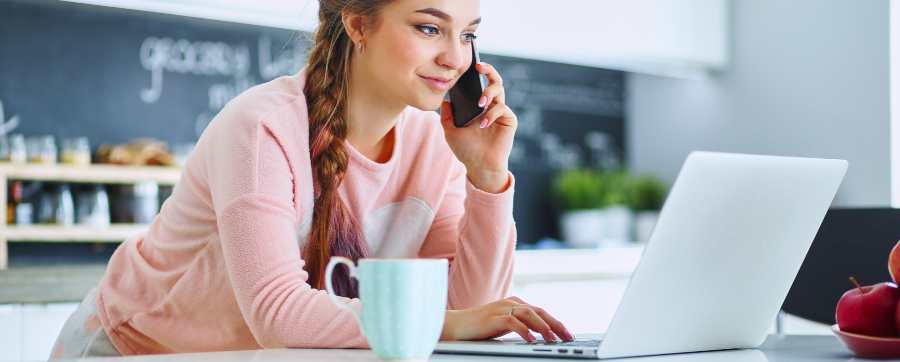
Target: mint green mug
<point>403,303</point>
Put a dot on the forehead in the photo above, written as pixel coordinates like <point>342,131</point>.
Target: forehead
<point>460,12</point>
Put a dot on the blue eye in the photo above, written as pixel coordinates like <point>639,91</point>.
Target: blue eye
<point>428,29</point>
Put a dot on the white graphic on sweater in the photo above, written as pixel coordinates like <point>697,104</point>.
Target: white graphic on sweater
<point>396,230</point>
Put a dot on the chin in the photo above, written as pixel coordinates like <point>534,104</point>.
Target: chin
<point>427,104</point>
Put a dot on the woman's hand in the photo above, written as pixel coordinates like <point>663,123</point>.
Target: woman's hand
<point>501,317</point>
<point>484,146</point>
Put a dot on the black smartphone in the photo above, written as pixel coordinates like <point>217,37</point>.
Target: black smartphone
<point>465,94</point>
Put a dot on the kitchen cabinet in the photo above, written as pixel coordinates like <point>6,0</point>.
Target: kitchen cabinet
<point>28,331</point>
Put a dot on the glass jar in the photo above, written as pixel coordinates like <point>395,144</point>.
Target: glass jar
<point>17,149</point>
<point>146,202</point>
<point>65,206</point>
<point>42,150</point>
<point>93,207</point>
<point>76,151</point>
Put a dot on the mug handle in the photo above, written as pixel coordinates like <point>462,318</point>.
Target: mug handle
<point>335,260</point>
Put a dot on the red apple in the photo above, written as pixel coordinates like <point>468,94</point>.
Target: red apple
<point>894,262</point>
<point>897,318</point>
<point>870,310</point>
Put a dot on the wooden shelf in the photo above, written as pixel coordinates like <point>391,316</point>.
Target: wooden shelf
<point>55,233</point>
<point>104,174</point>
<point>95,173</point>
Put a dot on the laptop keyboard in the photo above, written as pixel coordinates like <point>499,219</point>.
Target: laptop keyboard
<point>577,343</point>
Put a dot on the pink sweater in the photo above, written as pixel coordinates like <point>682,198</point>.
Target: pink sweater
<point>220,268</point>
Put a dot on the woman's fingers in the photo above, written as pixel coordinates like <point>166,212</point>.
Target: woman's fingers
<point>490,72</point>
<point>531,319</point>
<point>494,89</point>
<point>517,300</point>
<point>514,324</point>
<point>493,93</point>
<point>555,324</point>
<point>495,112</point>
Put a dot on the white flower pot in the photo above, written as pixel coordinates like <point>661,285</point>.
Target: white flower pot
<point>617,225</point>
<point>644,223</point>
<point>582,228</point>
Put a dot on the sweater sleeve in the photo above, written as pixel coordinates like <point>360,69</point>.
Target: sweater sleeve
<point>258,230</point>
<point>475,230</point>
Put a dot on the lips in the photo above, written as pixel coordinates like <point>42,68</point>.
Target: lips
<point>437,83</point>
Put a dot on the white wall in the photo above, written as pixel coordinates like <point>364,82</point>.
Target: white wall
<point>895,104</point>
<point>668,37</point>
<point>807,78</point>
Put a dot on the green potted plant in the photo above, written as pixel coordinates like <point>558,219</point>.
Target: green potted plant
<point>617,215</point>
<point>648,194</point>
<point>581,197</point>
<point>595,207</point>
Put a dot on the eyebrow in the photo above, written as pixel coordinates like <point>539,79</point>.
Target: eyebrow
<point>442,15</point>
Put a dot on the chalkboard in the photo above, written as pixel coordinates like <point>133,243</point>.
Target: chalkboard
<point>112,75</point>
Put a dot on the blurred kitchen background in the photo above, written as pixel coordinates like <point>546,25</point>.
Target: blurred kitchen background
<point>102,100</point>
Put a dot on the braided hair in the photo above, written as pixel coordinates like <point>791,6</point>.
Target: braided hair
<point>334,230</point>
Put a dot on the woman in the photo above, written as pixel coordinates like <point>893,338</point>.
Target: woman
<point>340,159</point>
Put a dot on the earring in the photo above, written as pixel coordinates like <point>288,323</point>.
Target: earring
<point>360,47</point>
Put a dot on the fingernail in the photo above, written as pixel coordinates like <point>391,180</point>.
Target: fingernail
<point>481,101</point>
<point>484,123</point>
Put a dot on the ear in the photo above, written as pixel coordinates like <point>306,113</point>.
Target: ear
<point>354,25</point>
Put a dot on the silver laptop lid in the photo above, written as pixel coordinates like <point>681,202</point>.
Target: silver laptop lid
<point>729,242</point>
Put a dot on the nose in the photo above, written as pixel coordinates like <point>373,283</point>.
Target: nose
<point>454,55</point>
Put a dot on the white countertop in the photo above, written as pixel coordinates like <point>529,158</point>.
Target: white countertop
<point>776,348</point>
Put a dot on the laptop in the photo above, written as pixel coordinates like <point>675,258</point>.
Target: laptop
<point>729,241</point>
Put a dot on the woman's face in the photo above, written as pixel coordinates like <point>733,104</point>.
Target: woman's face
<point>419,48</point>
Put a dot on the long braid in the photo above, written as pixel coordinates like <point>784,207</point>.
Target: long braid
<point>334,231</point>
